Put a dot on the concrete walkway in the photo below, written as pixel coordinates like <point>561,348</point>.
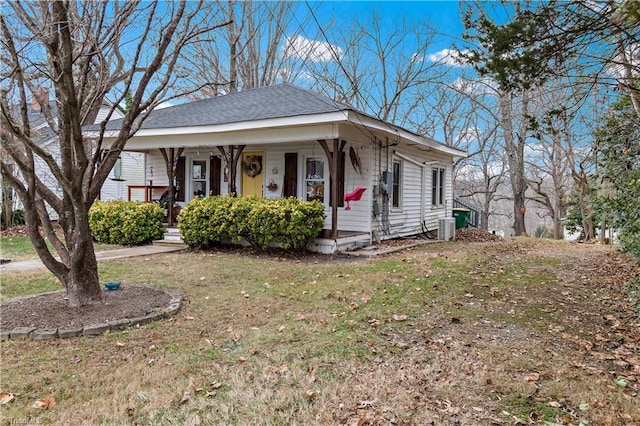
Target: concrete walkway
<point>27,265</point>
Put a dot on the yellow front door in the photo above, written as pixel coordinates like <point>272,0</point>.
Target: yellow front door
<point>252,177</point>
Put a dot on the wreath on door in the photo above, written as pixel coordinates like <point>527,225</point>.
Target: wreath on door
<point>252,165</point>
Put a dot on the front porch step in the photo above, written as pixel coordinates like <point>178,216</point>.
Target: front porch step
<point>171,237</point>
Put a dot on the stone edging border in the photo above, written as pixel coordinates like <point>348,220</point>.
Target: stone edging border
<point>174,305</point>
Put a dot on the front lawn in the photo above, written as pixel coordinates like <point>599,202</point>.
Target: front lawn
<point>17,248</point>
<point>489,333</point>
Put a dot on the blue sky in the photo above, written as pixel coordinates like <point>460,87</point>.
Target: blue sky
<point>444,16</point>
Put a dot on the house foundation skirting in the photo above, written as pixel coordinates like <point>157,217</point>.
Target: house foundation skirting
<point>346,241</point>
<point>342,243</point>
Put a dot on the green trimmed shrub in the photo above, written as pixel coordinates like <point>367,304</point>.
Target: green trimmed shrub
<point>206,222</point>
<point>289,222</point>
<point>299,222</point>
<point>128,223</point>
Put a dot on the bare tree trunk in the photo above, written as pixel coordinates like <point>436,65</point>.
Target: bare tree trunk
<point>584,201</point>
<point>171,163</point>
<point>514,146</point>
<point>630,79</point>
<point>558,226</point>
<point>83,284</point>
<point>231,156</point>
<point>233,43</point>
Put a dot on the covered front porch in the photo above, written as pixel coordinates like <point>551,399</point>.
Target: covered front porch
<point>308,170</point>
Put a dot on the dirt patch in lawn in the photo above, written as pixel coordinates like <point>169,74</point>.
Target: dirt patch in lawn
<point>51,311</point>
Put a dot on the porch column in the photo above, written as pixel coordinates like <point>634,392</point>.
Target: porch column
<point>171,163</point>
<point>333,158</point>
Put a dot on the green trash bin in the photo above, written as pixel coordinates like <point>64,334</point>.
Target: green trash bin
<point>462,217</point>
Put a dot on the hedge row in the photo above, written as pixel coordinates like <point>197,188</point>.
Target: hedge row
<point>128,223</point>
<point>289,222</point>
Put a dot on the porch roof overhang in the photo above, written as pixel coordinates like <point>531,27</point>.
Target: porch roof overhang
<point>312,127</point>
<point>267,131</point>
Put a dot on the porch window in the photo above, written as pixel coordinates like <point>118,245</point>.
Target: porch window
<point>437,186</point>
<point>395,184</point>
<point>315,178</point>
<point>199,178</point>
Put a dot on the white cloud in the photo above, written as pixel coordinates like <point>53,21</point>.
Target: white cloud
<point>470,135</point>
<point>313,50</point>
<point>473,171</point>
<point>448,57</point>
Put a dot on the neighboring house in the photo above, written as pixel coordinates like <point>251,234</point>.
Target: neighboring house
<point>129,170</point>
<point>285,137</point>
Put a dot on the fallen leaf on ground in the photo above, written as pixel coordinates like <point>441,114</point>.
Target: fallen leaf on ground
<point>45,403</point>
<point>532,377</point>
<point>400,317</point>
<point>276,369</point>
<point>6,397</point>
<point>186,395</point>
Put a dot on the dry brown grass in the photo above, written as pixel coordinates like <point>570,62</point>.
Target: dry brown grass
<point>490,336</point>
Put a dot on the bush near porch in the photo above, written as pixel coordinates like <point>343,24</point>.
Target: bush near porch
<point>288,222</point>
<point>129,223</point>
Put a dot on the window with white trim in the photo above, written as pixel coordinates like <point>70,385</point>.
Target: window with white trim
<point>396,184</point>
<point>315,178</point>
<point>437,186</point>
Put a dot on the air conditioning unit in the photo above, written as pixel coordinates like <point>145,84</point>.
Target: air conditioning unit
<point>446,229</point>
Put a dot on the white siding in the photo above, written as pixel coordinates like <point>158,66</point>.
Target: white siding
<point>132,174</point>
<point>155,174</point>
<point>415,214</point>
<point>45,174</point>
<point>415,210</point>
<point>104,110</point>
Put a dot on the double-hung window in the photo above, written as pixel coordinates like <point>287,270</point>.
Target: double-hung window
<point>396,183</point>
<point>315,178</point>
<point>437,186</point>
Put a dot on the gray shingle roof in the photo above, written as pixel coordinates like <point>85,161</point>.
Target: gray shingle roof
<point>283,100</point>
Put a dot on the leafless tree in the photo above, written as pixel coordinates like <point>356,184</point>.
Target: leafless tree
<point>251,53</point>
<point>84,53</point>
<point>551,160</point>
<point>481,176</point>
<point>379,68</point>
<point>506,114</point>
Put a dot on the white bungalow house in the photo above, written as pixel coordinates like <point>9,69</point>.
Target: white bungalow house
<point>283,141</point>
<point>129,170</point>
